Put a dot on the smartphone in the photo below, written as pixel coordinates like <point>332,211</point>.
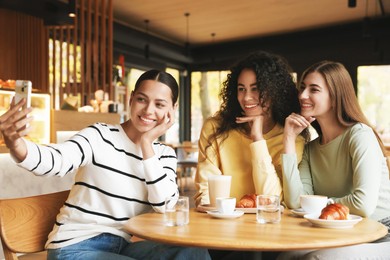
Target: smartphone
<point>23,89</point>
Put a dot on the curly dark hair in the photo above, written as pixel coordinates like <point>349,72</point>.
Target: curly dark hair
<point>276,87</point>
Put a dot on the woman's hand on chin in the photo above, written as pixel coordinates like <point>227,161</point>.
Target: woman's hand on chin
<point>255,124</point>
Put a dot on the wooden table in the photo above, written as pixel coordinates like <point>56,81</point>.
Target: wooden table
<point>244,233</point>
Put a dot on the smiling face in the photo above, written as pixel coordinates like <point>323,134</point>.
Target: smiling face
<point>248,93</point>
<point>149,104</point>
<point>314,96</point>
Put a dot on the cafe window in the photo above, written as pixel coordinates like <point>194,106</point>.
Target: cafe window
<point>205,88</point>
<point>374,97</point>
<point>132,77</point>
<point>172,135</point>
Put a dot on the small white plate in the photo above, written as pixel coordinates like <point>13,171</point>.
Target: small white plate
<point>253,210</point>
<point>349,223</point>
<point>217,214</point>
<point>205,208</point>
<point>299,212</point>
<point>247,210</point>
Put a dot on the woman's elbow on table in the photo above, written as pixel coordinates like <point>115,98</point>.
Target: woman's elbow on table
<point>159,209</point>
<point>292,204</point>
<point>365,211</point>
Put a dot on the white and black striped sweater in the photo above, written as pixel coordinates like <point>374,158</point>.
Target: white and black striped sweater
<point>112,184</point>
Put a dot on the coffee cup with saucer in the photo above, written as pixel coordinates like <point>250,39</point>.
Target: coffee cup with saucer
<point>225,208</point>
<point>314,203</point>
<point>311,204</point>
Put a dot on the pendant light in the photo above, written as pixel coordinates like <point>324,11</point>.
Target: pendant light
<point>187,43</point>
<point>212,42</point>
<point>72,8</point>
<point>146,48</point>
<point>366,30</point>
<point>351,3</point>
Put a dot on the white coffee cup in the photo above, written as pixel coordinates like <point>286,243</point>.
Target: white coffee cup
<point>226,205</point>
<point>314,203</point>
<point>219,187</point>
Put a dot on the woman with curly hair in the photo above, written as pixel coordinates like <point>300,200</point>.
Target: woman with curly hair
<point>244,139</point>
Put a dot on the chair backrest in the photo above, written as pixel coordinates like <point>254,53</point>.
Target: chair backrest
<point>189,147</point>
<point>187,151</point>
<point>26,222</point>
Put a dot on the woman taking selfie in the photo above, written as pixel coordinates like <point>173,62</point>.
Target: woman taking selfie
<point>122,171</point>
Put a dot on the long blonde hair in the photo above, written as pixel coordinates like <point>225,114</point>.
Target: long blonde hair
<point>343,96</point>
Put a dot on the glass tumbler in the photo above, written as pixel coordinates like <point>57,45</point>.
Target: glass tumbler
<point>268,209</point>
<point>177,211</point>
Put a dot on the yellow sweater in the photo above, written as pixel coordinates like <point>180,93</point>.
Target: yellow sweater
<point>255,167</point>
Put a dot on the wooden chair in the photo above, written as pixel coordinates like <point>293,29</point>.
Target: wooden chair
<point>387,147</point>
<point>26,222</point>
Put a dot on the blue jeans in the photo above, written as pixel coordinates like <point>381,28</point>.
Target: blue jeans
<point>107,246</point>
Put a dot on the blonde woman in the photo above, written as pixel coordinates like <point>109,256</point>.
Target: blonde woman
<point>346,162</point>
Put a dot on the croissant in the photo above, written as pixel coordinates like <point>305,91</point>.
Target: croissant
<point>335,211</point>
<point>247,201</point>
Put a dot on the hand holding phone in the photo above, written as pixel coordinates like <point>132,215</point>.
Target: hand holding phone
<point>23,89</point>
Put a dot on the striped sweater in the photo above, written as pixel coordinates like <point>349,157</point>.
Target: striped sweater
<point>112,184</point>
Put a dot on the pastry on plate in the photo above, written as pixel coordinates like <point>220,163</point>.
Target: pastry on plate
<point>335,211</point>
<point>247,201</point>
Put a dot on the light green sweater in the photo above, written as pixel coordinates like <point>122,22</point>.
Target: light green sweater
<point>350,169</point>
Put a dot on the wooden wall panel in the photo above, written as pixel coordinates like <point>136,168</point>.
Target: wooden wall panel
<point>82,44</point>
<point>92,31</point>
<point>88,48</point>
<point>103,46</point>
<point>110,52</point>
<point>54,60</point>
<point>23,41</point>
<point>7,45</point>
<point>24,51</point>
<point>75,39</point>
<point>95,45</point>
<point>96,39</point>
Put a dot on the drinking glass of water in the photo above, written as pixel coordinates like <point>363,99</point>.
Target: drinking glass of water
<point>268,209</point>
<point>177,211</point>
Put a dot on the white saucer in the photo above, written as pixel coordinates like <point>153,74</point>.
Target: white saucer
<point>348,223</point>
<point>299,212</point>
<point>217,214</point>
